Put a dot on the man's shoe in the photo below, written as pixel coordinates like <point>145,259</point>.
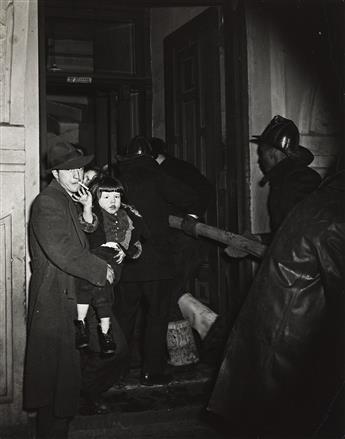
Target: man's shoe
<point>108,346</point>
<point>81,334</point>
<point>148,379</point>
<point>97,406</point>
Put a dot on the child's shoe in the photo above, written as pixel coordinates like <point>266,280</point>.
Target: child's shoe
<point>81,334</point>
<point>108,346</point>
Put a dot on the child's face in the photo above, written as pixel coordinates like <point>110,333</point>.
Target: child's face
<point>110,201</point>
<point>88,176</point>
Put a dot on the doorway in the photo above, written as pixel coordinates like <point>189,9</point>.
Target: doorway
<point>109,92</point>
<point>101,93</point>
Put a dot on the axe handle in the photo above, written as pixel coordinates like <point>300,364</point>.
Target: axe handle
<point>240,242</point>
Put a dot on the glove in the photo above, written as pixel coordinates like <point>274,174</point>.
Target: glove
<point>235,252</point>
<point>188,225</point>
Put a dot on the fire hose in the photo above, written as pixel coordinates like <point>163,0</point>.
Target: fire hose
<point>233,241</point>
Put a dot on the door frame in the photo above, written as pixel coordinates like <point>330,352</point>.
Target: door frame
<point>237,135</point>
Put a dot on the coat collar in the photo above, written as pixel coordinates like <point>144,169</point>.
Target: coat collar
<point>72,209</point>
<point>141,162</point>
<point>57,186</point>
<point>280,170</point>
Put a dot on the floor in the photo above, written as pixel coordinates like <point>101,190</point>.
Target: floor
<point>175,411</point>
<point>181,423</point>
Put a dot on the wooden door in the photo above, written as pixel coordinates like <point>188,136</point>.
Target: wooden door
<point>193,119</point>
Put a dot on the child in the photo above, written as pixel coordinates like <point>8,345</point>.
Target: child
<point>113,231</point>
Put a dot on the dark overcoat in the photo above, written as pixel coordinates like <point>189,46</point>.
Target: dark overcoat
<point>290,182</point>
<point>153,193</point>
<point>285,359</point>
<point>59,255</point>
<point>189,175</point>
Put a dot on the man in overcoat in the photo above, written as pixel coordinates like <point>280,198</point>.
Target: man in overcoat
<point>59,255</point>
<point>188,252</point>
<point>283,372</point>
<point>149,277</point>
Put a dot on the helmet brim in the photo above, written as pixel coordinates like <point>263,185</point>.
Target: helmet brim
<point>129,157</point>
<point>256,140</point>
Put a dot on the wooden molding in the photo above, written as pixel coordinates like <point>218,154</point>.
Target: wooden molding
<point>7,25</point>
<point>6,349</point>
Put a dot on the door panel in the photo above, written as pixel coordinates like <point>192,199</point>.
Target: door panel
<point>193,120</point>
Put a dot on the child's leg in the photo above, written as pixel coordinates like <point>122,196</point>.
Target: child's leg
<point>102,302</point>
<point>84,296</point>
<point>105,324</point>
<point>82,309</point>
<point>108,346</point>
<point>82,331</point>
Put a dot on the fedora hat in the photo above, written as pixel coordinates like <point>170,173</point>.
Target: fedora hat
<point>282,134</point>
<point>63,155</point>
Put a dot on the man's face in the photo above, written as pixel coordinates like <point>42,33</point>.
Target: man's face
<point>110,201</point>
<point>69,179</point>
<point>266,157</point>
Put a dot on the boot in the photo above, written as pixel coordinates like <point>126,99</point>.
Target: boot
<point>108,346</point>
<point>81,334</point>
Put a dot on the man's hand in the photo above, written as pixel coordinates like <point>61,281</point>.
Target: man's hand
<point>84,197</point>
<point>252,236</point>
<point>234,252</point>
<point>188,225</point>
<point>110,274</point>
<point>243,249</point>
<point>120,256</point>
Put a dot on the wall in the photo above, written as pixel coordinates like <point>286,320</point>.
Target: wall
<point>19,149</point>
<point>290,73</point>
<point>164,21</point>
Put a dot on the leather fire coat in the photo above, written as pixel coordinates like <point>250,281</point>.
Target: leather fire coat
<point>284,362</point>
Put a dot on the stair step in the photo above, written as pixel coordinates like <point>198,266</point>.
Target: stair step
<point>182,422</point>
<point>190,386</point>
